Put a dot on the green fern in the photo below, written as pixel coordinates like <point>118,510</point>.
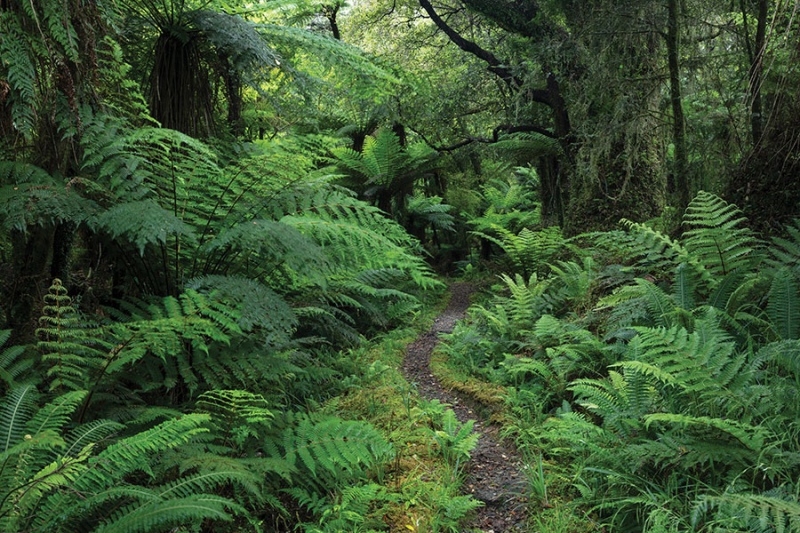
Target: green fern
<point>750,512</point>
<point>385,170</point>
<point>528,146</point>
<point>786,251</point>
<point>332,452</point>
<point>622,401</point>
<point>423,211</point>
<point>529,251</point>
<point>113,505</point>
<point>19,69</point>
<point>783,305</point>
<point>717,238</point>
<point>258,307</point>
<point>14,367</point>
<point>753,437</point>
<point>72,350</point>
<point>237,416</point>
<point>31,197</point>
<point>175,335</point>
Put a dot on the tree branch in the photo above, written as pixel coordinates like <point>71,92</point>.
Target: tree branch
<point>503,128</point>
<point>495,65</point>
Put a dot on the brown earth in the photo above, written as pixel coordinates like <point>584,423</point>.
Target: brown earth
<point>494,473</point>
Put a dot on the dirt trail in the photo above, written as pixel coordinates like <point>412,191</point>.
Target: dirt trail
<point>494,475</point>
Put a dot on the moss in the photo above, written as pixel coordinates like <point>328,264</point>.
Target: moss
<point>420,483</point>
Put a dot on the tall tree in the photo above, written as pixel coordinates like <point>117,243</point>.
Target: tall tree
<point>681,166</point>
<point>54,64</point>
<point>554,170</point>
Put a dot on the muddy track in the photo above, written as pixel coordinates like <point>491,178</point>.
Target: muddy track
<point>494,476</point>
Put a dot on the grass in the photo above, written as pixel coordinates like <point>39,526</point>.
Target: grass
<point>425,495</point>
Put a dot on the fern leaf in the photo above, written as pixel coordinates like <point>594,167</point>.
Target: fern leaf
<point>748,511</point>
<point>16,410</point>
<point>133,453</point>
<point>257,305</point>
<point>143,223</point>
<point>176,511</point>
<point>55,415</point>
<point>716,235</point>
<point>332,448</point>
<point>753,437</point>
<point>783,305</point>
<point>12,365</point>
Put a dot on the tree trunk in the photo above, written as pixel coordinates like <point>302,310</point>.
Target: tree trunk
<point>681,167</point>
<point>756,74</point>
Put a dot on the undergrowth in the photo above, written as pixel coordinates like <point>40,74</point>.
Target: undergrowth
<point>424,479</point>
<point>651,381</point>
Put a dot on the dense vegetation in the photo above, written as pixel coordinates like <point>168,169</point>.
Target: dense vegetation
<point>221,221</point>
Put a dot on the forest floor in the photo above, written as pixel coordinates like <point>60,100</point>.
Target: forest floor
<point>494,474</point>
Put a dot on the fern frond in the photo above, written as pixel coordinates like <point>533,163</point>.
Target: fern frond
<point>783,305</point>
<point>73,350</point>
<point>236,415</point>
<point>529,145</point>
<point>654,251</point>
<point>750,511</point>
<point>19,69</point>
<point>786,252</point>
<point>269,245</point>
<point>31,197</point>
<point>753,437</point>
<point>258,306</point>
<point>324,451</point>
<point>12,365</point>
<point>429,210</point>
<point>16,410</point>
<point>55,415</point>
<point>175,511</point>
<point>716,236</point>
<point>143,223</point>
<point>133,453</point>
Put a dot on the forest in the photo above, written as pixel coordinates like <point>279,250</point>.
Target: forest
<point>223,224</point>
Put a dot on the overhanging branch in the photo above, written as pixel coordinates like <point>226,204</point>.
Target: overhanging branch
<point>496,66</point>
<point>503,128</point>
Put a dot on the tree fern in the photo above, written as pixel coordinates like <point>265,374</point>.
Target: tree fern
<point>31,197</point>
<point>529,251</point>
<point>385,170</point>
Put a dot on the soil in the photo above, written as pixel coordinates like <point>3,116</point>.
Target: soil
<point>494,473</point>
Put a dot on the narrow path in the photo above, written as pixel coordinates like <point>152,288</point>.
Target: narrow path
<point>494,475</point>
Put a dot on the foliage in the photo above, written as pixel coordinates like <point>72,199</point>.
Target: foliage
<point>59,478</point>
<point>663,373</point>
